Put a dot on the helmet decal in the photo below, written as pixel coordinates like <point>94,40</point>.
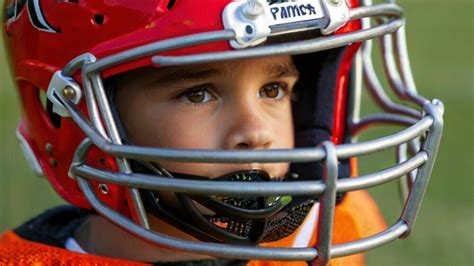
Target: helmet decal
<point>35,14</point>
<point>37,18</point>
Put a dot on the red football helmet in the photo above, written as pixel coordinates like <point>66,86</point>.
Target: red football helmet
<point>68,50</point>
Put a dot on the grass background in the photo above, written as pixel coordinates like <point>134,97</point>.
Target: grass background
<point>440,38</point>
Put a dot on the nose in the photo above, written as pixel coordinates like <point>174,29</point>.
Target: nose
<point>249,127</point>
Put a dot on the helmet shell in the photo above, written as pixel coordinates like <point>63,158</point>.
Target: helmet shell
<point>67,29</point>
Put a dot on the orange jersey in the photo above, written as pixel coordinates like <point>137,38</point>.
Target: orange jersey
<point>357,216</point>
<point>17,251</point>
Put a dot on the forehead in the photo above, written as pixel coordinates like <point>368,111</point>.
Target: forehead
<point>272,66</point>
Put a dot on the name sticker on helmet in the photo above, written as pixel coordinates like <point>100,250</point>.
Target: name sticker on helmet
<point>290,12</point>
<point>254,20</point>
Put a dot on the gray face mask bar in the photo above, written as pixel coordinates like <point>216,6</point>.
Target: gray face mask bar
<point>421,135</point>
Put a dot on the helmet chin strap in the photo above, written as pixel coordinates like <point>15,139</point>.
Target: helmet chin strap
<point>224,219</point>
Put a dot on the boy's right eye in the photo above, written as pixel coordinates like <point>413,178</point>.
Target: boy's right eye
<point>199,94</point>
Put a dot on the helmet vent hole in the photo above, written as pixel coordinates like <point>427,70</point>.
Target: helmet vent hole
<point>99,19</point>
<point>73,1</point>
<point>171,4</point>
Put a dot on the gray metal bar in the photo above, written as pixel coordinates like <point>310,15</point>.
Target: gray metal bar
<point>211,249</point>
<point>221,188</point>
<point>373,84</point>
<point>77,63</point>
<point>404,184</point>
<point>73,66</point>
<point>315,187</point>
<point>393,77</point>
<point>390,67</point>
<point>219,156</point>
<point>389,174</point>
<point>153,48</point>
<point>104,107</point>
<point>241,252</point>
<point>106,113</point>
<point>300,47</point>
<point>79,156</point>
<point>232,252</point>
<point>431,145</point>
<point>383,118</point>
<point>230,156</point>
<point>362,148</point>
<point>390,10</point>
<point>403,60</point>
<point>327,204</point>
<point>414,146</point>
<point>407,181</point>
<point>92,107</point>
<point>379,10</point>
<point>375,88</point>
<point>365,244</point>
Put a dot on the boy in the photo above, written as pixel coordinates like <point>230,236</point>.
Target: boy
<point>191,130</point>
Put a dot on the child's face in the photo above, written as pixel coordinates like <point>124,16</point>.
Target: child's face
<point>242,104</point>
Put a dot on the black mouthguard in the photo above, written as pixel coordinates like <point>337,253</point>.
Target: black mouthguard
<point>242,220</point>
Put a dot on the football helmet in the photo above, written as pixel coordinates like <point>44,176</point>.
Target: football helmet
<point>65,53</point>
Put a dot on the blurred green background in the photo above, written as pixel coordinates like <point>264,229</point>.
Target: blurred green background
<point>440,38</point>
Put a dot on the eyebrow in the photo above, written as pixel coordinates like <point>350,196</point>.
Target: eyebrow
<point>279,70</point>
<point>274,70</point>
<point>188,74</point>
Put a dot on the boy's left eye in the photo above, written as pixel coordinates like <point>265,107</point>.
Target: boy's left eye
<point>274,90</point>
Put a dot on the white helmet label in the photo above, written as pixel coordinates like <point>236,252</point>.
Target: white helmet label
<point>290,12</point>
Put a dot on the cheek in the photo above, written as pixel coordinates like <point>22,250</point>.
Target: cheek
<point>287,138</point>
<point>290,132</point>
<point>166,127</point>
<point>156,125</point>
<point>140,118</point>
<point>283,129</point>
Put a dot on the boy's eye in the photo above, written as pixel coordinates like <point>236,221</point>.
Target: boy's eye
<point>273,91</point>
<point>198,95</point>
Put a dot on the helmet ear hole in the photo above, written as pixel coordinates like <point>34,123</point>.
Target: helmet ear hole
<point>55,118</point>
<point>47,106</point>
